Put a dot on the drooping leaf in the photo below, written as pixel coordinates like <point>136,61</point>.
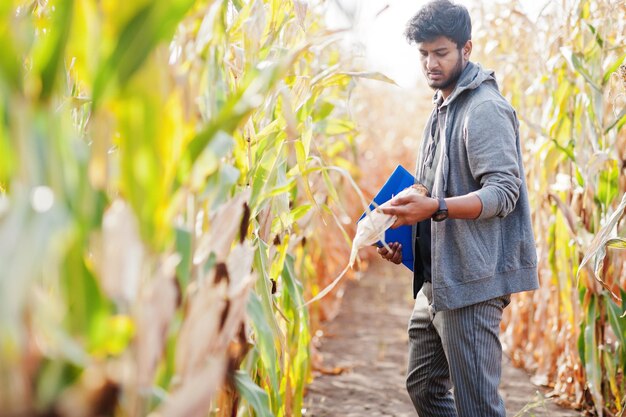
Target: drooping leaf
<point>253,394</point>
<point>597,247</point>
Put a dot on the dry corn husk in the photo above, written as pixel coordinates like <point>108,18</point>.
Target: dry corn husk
<point>370,230</point>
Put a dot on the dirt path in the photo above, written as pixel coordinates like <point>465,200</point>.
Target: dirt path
<point>368,339</point>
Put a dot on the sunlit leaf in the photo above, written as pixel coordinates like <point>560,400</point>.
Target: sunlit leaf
<point>372,76</point>
<point>152,24</point>
<point>608,184</point>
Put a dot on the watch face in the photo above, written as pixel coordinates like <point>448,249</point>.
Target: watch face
<point>440,215</point>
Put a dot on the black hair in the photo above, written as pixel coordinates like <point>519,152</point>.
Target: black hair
<point>440,18</point>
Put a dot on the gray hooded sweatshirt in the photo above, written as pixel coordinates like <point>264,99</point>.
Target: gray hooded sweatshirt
<point>494,255</point>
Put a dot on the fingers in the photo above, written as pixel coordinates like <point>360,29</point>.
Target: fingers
<point>400,201</point>
<point>397,256</point>
<point>394,254</point>
<point>397,223</point>
<point>393,211</point>
<point>399,212</point>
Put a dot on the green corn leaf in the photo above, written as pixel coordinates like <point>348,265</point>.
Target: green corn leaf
<point>50,55</point>
<point>219,186</point>
<point>292,287</point>
<point>261,177</point>
<point>7,154</point>
<point>597,36</point>
<point>323,111</point>
<point>266,346</point>
<point>302,166</point>
<point>332,127</point>
<point>10,66</point>
<point>618,324</point>
<point>241,104</point>
<point>608,183</point>
<point>54,376</point>
<point>264,290</point>
<point>184,249</point>
<point>225,122</point>
<point>271,129</point>
<point>152,24</point>
<point>611,69</point>
<point>282,189</point>
<point>610,366</point>
<point>300,211</point>
<point>618,122</point>
<point>573,59</point>
<point>253,394</point>
<point>299,336</point>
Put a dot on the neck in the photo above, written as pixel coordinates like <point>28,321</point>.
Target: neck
<point>446,93</point>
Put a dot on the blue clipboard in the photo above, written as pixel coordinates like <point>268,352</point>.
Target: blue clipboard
<point>398,181</point>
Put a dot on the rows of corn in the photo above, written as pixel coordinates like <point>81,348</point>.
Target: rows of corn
<point>174,183</point>
<point>565,74</point>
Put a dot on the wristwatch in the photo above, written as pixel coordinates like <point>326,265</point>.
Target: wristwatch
<point>442,212</point>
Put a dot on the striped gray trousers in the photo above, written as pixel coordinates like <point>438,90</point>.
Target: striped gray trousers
<point>456,348</point>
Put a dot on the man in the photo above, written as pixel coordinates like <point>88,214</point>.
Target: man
<point>474,244</point>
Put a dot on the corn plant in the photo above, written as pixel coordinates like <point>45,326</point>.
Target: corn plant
<point>163,167</point>
<point>562,73</point>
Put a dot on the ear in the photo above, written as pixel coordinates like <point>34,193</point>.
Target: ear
<point>467,49</point>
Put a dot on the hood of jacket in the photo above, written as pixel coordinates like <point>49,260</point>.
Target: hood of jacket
<point>472,76</point>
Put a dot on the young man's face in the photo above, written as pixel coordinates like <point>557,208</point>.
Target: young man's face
<point>443,63</point>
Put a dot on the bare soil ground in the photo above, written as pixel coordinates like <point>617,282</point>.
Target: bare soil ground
<point>366,346</point>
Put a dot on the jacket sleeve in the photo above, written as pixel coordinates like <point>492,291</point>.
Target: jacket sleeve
<point>491,143</point>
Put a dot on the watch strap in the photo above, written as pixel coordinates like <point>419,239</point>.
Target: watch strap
<point>442,212</point>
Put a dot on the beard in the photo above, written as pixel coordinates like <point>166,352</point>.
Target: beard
<point>452,79</point>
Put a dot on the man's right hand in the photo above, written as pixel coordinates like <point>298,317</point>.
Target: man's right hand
<point>395,255</point>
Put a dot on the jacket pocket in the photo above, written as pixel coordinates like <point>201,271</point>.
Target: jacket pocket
<point>483,245</point>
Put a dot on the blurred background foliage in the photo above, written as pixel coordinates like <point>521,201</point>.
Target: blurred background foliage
<point>178,176</point>
<point>170,174</point>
